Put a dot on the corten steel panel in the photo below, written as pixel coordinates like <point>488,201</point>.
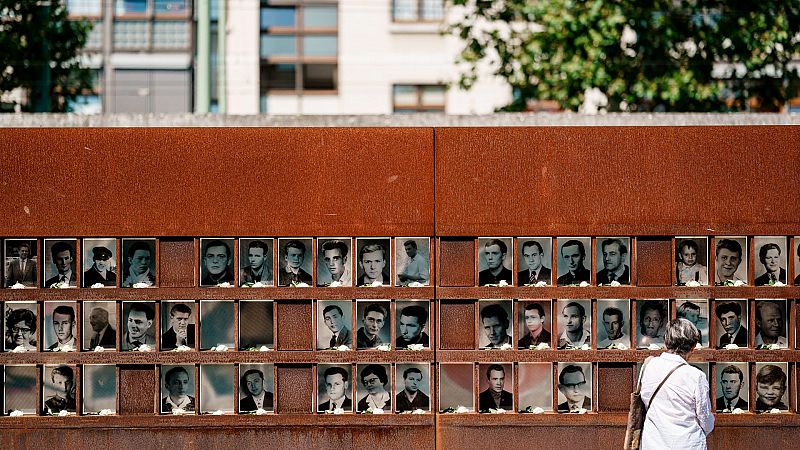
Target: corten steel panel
<point>218,181</point>
<point>137,388</point>
<point>654,265</point>
<point>176,263</point>
<point>295,389</point>
<point>615,382</point>
<point>617,181</point>
<point>457,262</point>
<point>295,331</point>
<point>457,325</point>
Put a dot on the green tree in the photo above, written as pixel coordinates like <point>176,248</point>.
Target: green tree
<point>40,48</point>
<point>644,55</point>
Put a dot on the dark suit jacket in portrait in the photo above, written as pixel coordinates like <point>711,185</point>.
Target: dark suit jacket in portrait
<point>423,339</point>
<point>527,340</point>
<point>567,279</point>
<point>362,280</point>
<point>286,278</point>
<point>421,401</point>
<point>524,276</point>
<point>249,404</point>
<point>740,403</point>
<point>587,405</point>
<point>107,339</point>
<point>169,340</point>
<point>740,339</point>
<point>246,275</point>
<point>345,337</point>
<point>347,405</point>
<point>92,276</point>
<point>166,407</point>
<point>226,277</point>
<point>763,280</point>
<point>486,401</point>
<point>487,277</point>
<point>16,275</point>
<point>797,281</point>
<point>54,280</point>
<point>761,406</point>
<point>602,277</point>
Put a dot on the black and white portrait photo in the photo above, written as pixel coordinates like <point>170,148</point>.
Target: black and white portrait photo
<point>99,262</point>
<point>770,268</point>
<point>334,262</point>
<point>412,324</point>
<point>256,324</point>
<point>177,324</point>
<point>21,322</point>
<point>99,388</point>
<point>534,261</point>
<point>138,262</point>
<point>732,386</point>
<point>372,317</point>
<point>21,262</point>
<point>613,323</point>
<point>574,387</point>
<point>495,261</point>
<point>772,386</point>
<point>333,387</point>
<point>412,258</point>
<point>730,260</point>
<point>653,316</point>
<point>535,386</point>
<point>456,384</point>
<point>691,260</point>
<point>216,261</point>
<point>574,323</point>
<point>256,260</point>
<point>256,387</point>
<point>216,389</point>
<point>771,323</point>
<point>495,326</point>
<point>216,323</point>
<point>138,325</point>
<point>59,265</point>
<point>412,387</point>
<point>731,320</point>
<point>59,326</point>
<point>58,389</point>
<point>535,323</point>
<point>796,254</point>
<point>374,387</point>
<point>20,389</point>
<point>496,387</point>
<point>374,261</point>
<point>177,388</point>
<point>295,261</point>
<point>613,261</point>
<point>573,265</point>
<point>695,311</point>
<point>334,324</point>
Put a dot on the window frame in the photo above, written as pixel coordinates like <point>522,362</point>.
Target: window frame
<point>419,106</point>
<point>418,14</point>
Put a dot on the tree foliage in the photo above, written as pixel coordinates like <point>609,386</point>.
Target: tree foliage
<point>40,48</point>
<point>644,55</point>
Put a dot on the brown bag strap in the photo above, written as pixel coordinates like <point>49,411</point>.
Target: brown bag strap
<point>646,407</point>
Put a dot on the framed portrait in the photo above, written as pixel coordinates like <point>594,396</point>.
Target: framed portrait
<point>731,320</point>
<point>21,263</point>
<point>256,261</point>
<point>695,310</point>
<point>495,261</point>
<point>19,389</point>
<point>334,262</point>
<point>412,323</point>
<point>99,388</point>
<point>99,262</point>
<point>216,388</point>
<point>256,324</point>
<point>771,323</point>
<point>374,387</point>
<point>372,318</point>
<point>574,387</point>
<point>59,327</point>
<point>535,386</point>
<point>613,261</point>
<point>412,256</point>
<point>614,323</point>
<point>535,325</point>
<point>334,324</point>
<point>58,388</point>
<point>495,387</point>
<point>99,325</point>
<point>60,263</point>
<point>412,387</point>
<point>256,387</point>
<point>534,260</point>
<point>177,324</point>
<point>574,323</point>
<point>177,388</point>
<point>772,386</point>
<point>574,267</point>
<point>730,260</point>
<point>295,261</point>
<point>138,320</point>
<point>374,261</point>
<point>456,386</point>
<point>216,261</point>
<point>796,254</point>
<point>139,262</point>
<point>653,317</point>
<point>691,260</point>
<point>21,323</point>
<point>772,263</point>
<point>334,390</point>
<point>216,324</point>
<point>733,386</point>
<point>495,326</point>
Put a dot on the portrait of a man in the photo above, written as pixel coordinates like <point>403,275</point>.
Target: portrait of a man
<point>535,324</point>
<point>412,383</point>
<point>256,388</point>
<point>334,264</point>
<point>334,387</point>
<point>62,334</point>
<point>614,259</point>
<point>771,323</point>
<point>612,314</point>
<point>216,261</point>
<point>574,327</point>
<point>102,266</point>
<point>138,322</point>
<point>495,326</point>
<point>535,260</point>
<point>59,389</point>
<point>177,388</point>
<point>333,323</point>
<point>695,311</point>
<point>294,267</point>
<point>771,387</point>
<point>99,321</point>
<point>728,261</point>
<point>20,326</point>
<point>773,264</point>
<point>411,324</point>
<point>574,387</point>
<point>653,316</point>
<point>21,263</point>
<point>495,395</point>
<point>255,261</point>
<point>413,261</point>
<point>61,270</point>
<point>495,261</point>
<point>139,262</point>
<point>571,262</point>
<point>373,261</point>
<point>730,316</point>
<point>372,389</point>
<point>374,316</point>
<point>731,386</point>
<point>178,329</point>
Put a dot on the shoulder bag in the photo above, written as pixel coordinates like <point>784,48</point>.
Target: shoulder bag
<point>638,411</point>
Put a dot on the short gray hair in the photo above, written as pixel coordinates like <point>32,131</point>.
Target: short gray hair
<point>681,336</point>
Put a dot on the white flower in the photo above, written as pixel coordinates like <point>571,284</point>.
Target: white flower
<point>497,411</point>
<point>261,411</point>
<point>506,346</point>
<point>141,284</point>
<point>615,283</point>
<point>338,411</point>
<point>99,349</point>
<point>540,284</point>
<point>738,283</point>
<point>542,346</point>
<point>773,347</point>
<point>183,348</point>
<point>698,346</point>
<point>693,283</point>
<point>583,411</point>
<point>97,285</point>
<point>653,347</point>
<point>224,285</point>
<point>335,284</point>
<point>343,348</point>
<point>144,348</point>
<point>738,411</point>
<point>264,348</point>
<point>377,411</point>
<point>537,410</point>
<point>775,411</point>
<point>384,347</point>
<point>19,349</point>
<point>731,347</point>
<point>418,411</point>
<point>106,412</point>
<point>178,411</point>
<point>18,285</point>
<point>64,348</point>
<point>63,413</point>
<point>416,284</point>
<point>779,284</point>
<point>218,412</point>
<point>220,348</point>
<point>584,284</point>
<point>376,283</point>
<point>300,284</point>
<point>60,285</point>
<point>503,283</point>
<point>416,347</point>
<point>621,347</point>
<point>462,410</point>
<point>16,412</point>
<point>258,284</point>
<point>585,347</point>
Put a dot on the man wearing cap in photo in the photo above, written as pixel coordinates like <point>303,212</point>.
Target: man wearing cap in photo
<point>101,271</point>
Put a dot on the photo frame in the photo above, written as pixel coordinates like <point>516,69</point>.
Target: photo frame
<point>20,263</point>
<point>177,388</point>
<point>613,324</point>
<point>796,254</point>
<point>59,384</point>
<point>535,386</point>
<point>373,319</point>
<point>256,388</point>
<point>412,387</point>
<point>99,325</point>
<point>334,324</point>
<point>138,325</point>
<point>730,260</point>
<point>534,261</point>
<point>60,326</point>
<point>534,323</point>
<point>256,324</point>
<point>139,263</point>
<point>574,263</point>
<point>771,260</point>
<point>691,260</point>
<point>733,386</point>
<point>575,386</point>
<point>495,387</point>
<point>772,323</point>
<point>412,256</point>
<point>20,389</point>
<point>495,327</point>
<point>574,325</point>
<point>256,261</point>
<point>99,262</point>
<point>732,319</point>
<point>334,388</point>
<point>216,262</point>
<point>772,386</point>
<point>456,384</point>
<point>412,324</point>
<point>295,262</point>
<point>216,326</point>
<point>495,261</point>
<point>695,310</point>
<point>335,262</point>
<point>373,387</point>
<point>216,388</point>
<point>60,264</point>
<point>374,261</point>
<point>652,319</point>
<point>21,326</point>
<point>177,324</point>
<point>613,261</point>
<point>98,388</point>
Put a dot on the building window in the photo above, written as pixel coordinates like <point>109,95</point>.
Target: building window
<point>152,25</point>
<point>298,46</point>
<point>411,98</point>
<point>85,8</point>
<point>417,10</point>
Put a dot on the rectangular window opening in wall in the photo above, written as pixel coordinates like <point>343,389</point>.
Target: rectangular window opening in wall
<point>411,98</point>
<point>155,25</point>
<point>417,10</point>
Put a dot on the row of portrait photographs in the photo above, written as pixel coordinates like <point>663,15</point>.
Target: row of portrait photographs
<point>409,391</point>
<point>337,318</point>
<point>615,325</point>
